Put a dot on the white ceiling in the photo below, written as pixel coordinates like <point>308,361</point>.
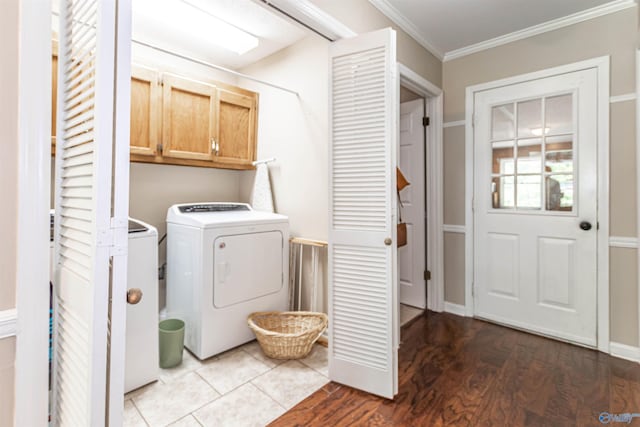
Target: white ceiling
<point>448,25</point>
<point>273,31</point>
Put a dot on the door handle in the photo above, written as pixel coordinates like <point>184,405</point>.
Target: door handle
<point>585,225</point>
<point>388,241</point>
<point>134,295</point>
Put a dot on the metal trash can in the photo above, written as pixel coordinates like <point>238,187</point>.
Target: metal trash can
<point>171,342</point>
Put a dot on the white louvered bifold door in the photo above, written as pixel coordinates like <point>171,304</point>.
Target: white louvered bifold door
<point>362,225</point>
<point>91,217</point>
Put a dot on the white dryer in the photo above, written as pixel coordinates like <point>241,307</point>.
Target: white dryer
<point>224,261</point>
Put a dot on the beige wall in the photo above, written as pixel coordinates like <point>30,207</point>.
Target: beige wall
<point>9,157</point>
<point>613,35</point>
<point>7,377</point>
<point>623,299</point>
<point>295,131</point>
<point>9,196</point>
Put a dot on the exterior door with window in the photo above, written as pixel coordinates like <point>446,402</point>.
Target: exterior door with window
<point>535,210</point>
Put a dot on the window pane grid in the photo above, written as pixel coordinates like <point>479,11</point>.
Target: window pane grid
<point>533,154</point>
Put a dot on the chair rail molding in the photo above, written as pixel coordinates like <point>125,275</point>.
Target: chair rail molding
<point>8,323</point>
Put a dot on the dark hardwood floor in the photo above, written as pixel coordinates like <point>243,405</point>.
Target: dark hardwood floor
<point>465,372</point>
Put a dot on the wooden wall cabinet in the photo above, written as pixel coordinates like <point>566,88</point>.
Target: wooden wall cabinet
<point>146,96</point>
<point>178,121</point>
<point>237,120</point>
<point>189,119</point>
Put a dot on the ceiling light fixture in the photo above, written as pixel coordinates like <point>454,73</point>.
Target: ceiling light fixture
<point>198,23</point>
<point>538,131</point>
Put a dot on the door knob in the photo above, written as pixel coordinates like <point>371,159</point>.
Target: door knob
<point>134,295</point>
<point>585,225</point>
<point>388,241</point>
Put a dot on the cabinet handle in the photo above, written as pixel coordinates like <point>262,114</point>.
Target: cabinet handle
<point>215,147</point>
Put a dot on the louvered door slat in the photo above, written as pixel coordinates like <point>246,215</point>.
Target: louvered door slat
<point>362,267</point>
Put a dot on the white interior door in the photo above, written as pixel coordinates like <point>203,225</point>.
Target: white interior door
<point>91,212</point>
<point>411,257</point>
<point>363,304</point>
<point>536,205</point>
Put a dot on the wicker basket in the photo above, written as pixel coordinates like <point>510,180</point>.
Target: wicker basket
<point>287,334</point>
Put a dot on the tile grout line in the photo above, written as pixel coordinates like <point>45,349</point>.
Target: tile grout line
<point>210,385</point>
<point>234,388</point>
<point>304,366</point>
<point>269,396</point>
<point>140,413</point>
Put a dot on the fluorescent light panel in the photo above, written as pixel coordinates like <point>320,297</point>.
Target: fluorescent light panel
<point>198,23</point>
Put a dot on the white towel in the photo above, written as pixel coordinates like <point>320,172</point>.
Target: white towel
<point>261,197</point>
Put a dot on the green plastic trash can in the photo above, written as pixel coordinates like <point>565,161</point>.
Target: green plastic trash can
<point>171,342</point>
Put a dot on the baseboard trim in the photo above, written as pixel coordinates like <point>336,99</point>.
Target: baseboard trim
<point>8,323</point>
<point>457,309</point>
<point>624,351</point>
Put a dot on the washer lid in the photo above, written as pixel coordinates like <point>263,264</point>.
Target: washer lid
<point>208,215</point>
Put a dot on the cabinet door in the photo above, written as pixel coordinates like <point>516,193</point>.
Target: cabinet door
<point>189,119</point>
<point>146,96</point>
<point>237,118</point>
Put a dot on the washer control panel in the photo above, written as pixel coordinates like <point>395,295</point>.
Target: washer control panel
<point>214,207</point>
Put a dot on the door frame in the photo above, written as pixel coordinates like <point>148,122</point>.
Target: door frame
<point>32,274</point>
<point>434,200</point>
<point>601,64</point>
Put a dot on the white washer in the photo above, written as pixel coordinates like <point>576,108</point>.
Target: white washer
<point>141,348</point>
<point>224,261</point>
<point>141,352</point>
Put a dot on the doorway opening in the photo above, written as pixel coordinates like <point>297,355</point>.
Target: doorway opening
<point>420,262</point>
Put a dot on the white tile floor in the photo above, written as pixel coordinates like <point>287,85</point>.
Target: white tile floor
<point>241,387</point>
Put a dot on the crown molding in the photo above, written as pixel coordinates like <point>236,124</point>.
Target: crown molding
<point>585,15</point>
<point>311,16</point>
<point>392,13</point>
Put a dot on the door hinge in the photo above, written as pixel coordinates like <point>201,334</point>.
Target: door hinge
<point>598,225</point>
<point>426,121</point>
<point>427,275</point>
<point>118,236</point>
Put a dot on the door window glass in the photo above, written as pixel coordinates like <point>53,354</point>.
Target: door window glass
<point>533,154</point>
